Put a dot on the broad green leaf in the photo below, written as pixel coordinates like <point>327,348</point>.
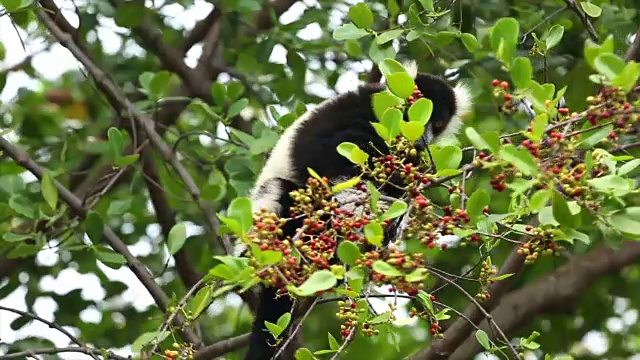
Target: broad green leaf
<point>348,252</point>
<point>353,153</point>
<point>411,130</point>
<point>119,207</point>
<point>386,269</point>
<point>469,41</point>
<point>318,281</point>
<point>392,120</point>
<point>49,190</point>
<point>538,126</point>
<point>609,65</point>
<point>401,84</point>
<point>398,208</point>
<point>521,72</point>
<point>200,301</point>
<point>591,9</point>
<point>416,275</point>
<point>237,107</point>
<point>240,211</point>
<point>448,157</point>
<point>348,32</point>
<point>421,111</point>
<point>389,35</point>
<point>384,100</point>
<point>374,233</point>
<point>274,329</point>
<point>94,227</point>
<point>390,66</point>
<point>477,201</point>
<point>483,339</point>
<point>628,78</point>
<point>628,167</point>
<point>590,138</point>
<point>592,50</point>
<point>177,237</point>
<point>160,84</point>
<point>521,158</point>
<point>554,36</point>
<point>109,257</point>
<point>561,212</point>
<point>333,343</point>
<point>627,221</point>
<point>382,131</point>
<point>361,15</point>
<point>304,354</point>
<point>284,320</point>
<point>427,4</point>
<point>483,142</point>
<point>116,142</point>
<point>539,199</point>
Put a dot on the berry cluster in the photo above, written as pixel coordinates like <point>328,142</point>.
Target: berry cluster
<point>417,94</point>
<point>348,312</point>
<point>179,352</point>
<point>540,243</point>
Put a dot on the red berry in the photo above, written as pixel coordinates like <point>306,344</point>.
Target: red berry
<point>504,85</point>
<point>495,82</point>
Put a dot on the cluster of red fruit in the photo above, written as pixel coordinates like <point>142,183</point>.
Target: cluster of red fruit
<point>497,182</point>
<point>347,311</point>
<point>417,94</point>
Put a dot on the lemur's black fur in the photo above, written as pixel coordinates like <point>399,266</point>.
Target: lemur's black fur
<point>313,145</point>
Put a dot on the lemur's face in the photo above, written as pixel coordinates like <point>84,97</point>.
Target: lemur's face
<point>443,98</point>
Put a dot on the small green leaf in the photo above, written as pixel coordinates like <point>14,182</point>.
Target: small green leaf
<point>609,65</point>
<point>483,142</point>
<point>361,15</point>
<point>591,9</point>
<point>425,300</point>
<point>390,66</point>
<point>346,184</point>
<point>521,158</point>
<point>392,120</point>
<point>94,227</point>
<point>412,130</point>
<point>108,257</point>
<point>427,4</point>
<point>401,84</point>
<point>127,160</point>
<point>448,157</point>
<point>237,107</point>
<point>386,269</point>
<point>348,32</point>
<point>116,142</point>
<point>554,36</point>
<point>384,100</point>
<point>538,126</point>
<point>561,212</point>
<point>49,190</point>
<point>539,200</point>
<point>348,252</point>
<point>200,301</point>
<point>483,339</point>
<point>477,201</point>
<point>147,338</point>
<point>333,343</point>
<point>420,111</point>
<point>590,138</point>
<point>318,281</point>
<point>274,329</point>
<point>382,131</point>
<point>119,207</point>
<point>177,237</point>
<point>628,78</point>
<point>521,72</point>
<point>240,211</point>
<point>304,354</point>
<point>389,35</point>
<point>352,152</point>
<point>469,41</point>
<point>398,208</point>
<point>374,233</point>
<point>160,84</point>
<point>416,275</point>
<point>628,167</point>
<point>284,320</point>
<point>502,277</point>
<point>374,196</point>
<point>627,221</point>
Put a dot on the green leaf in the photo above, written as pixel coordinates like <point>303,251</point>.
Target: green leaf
<point>561,212</point>
<point>628,78</point>
<point>504,38</point>
<point>392,120</point>
<point>628,167</point>
<point>374,196</point>
<point>615,184</point>
<point>392,6</point>
<point>609,65</point>
<point>318,281</point>
<point>304,354</point>
<point>388,35</point>
<point>348,252</point>
<point>237,107</point>
<point>348,32</point>
<point>427,4</point>
<point>401,84</point>
<point>592,50</point>
<point>483,339</point>
<point>361,15</point>
<point>398,208</point>
<point>382,131</point>
<point>448,157</point>
<point>469,41</point>
<point>177,237</point>
<point>416,275</point>
<point>284,320</point>
<point>384,100</point>
<point>333,343</point>
<point>346,184</point>
<point>425,300</point>
<point>412,130</point>
<point>374,233</point>
<point>274,329</point>
<point>200,301</point>
<point>521,158</point>
<point>127,160</point>
<point>94,227</point>
<point>352,152</point>
<point>22,206</point>
<point>590,138</point>
<point>353,49</point>
<point>483,142</point>
<point>521,72</point>
<point>116,142</point>
<point>108,257</point>
<point>147,338</point>
<point>554,36</point>
<point>129,14</point>
<point>160,84</point>
<point>539,199</point>
<point>477,201</point>
<point>420,111</point>
<point>49,190</point>
<point>538,126</point>
<point>502,277</point>
<point>386,269</point>
<point>591,9</point>
<point>390,66</point>
<point>119,207</point>
<point>627,221</point>
<point>240,211</point>
<point>218,92</point>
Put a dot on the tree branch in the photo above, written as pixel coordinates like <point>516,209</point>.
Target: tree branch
<point>222,347</point>
<point>52,351</point>
<point>633,53</point>
<point>573,6</point>
<point>201,28</point>
<point>22,159</point>
<point>558,290</point>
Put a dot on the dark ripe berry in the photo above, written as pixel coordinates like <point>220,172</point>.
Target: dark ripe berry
<point>504,85</point>
<point>613,135</point>
<point>432,297</point>
<point>528,227</point>
<point>424,180</point>
<point>444,246</point>
<point>606,114</point>
<point>353,305</point>
<point>451,190</point>
<point>507,97</point>
<point>556,170</point>
<point>389,157</point>
<point>563,111</point>
<point>495,82</point>
<point>432,331</point>
<point>446,219</point>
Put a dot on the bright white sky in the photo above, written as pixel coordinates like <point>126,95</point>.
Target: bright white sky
<point>58,60</point>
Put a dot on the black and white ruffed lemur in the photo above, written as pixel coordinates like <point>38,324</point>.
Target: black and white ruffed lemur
<point>311,142</point>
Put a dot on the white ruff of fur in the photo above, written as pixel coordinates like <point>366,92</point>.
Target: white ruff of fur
<point>464,104</point>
